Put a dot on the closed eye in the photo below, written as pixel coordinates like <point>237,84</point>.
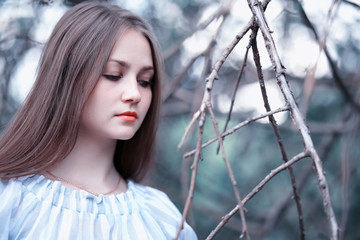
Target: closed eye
<point>145,83</point>
<point>112,77</point>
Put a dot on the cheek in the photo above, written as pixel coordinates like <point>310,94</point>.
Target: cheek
<point>94,103</point>
<point>147,99</point>
<point>100,97</point>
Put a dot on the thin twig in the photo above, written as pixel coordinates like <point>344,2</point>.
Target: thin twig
<point>224,10</point>
<point>336,75</point>
<point>188,128</point>
<point>206,53</point>
<point>202,113</point>
<point>230,172</point>
<point>310,79</point>
<point>206,98</point>
<point>274,125</point>
<point>193,174</point>
<point>355,5</point>
<point>345,173</point>
<point>185,183</point>
<point>255,190</point>
<point>237,83</point>
<point>213,75</point>
<point>228,118</point>
<point>296,115</point>
<point>237,127</point>
<point>174,83</point>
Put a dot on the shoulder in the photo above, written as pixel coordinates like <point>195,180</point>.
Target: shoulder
<point>154,198</point>
<point>12,192</point>
<point>11,196</point>
<point>159,204</point>
<point>10,188</point>
<point>15,192</point>
<point>150,193</point>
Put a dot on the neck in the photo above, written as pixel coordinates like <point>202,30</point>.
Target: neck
<point>89,164</point>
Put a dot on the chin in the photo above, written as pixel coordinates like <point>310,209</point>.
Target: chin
<point>124,136</point>
<point>123,133</point>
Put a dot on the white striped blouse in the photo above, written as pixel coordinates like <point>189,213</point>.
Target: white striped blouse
<point>34,207</point>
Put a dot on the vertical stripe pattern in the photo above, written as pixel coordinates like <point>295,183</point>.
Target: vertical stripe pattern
<point>34,207</point>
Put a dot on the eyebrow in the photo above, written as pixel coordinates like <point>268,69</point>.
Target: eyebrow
<point>127,65</point>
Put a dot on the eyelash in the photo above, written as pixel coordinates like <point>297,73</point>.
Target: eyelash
<point>113,77</point>
<point>145,84</point>
<point>142,83</point>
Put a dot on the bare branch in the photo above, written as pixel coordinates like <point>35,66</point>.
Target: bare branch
<point>255,190</point>
<point>237,127</point>
<point>171,87</point>
<point>223,11</point>
<point>272,120</point>
<point>310,79</point>
<point>345,175</point>
<point>213,75</point>
<point>337,76</point>
<point>231,174</point>
<point>193,174</point>
<point>188,128</point>
<point>237,83</point>
<point>296,115</point>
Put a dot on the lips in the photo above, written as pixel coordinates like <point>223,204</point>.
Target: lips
<point>128,116</point>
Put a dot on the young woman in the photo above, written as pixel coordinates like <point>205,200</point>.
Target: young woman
<point>72,156</point>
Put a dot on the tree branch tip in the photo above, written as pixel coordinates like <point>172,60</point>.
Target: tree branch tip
<point>179,147</point>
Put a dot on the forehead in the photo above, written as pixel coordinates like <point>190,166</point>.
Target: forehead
<point>132,47</point>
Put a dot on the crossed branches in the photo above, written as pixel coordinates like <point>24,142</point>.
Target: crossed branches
<point>205,111</point>
<point>258,22</point>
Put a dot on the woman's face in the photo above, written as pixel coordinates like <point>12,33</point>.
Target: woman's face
<point>121,98</point>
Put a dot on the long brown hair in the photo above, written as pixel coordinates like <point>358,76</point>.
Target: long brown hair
<point>44,129</point>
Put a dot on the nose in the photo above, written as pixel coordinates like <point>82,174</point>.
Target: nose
<point>130,90</point>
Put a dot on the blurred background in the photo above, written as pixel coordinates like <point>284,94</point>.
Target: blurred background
<point>193,34</point>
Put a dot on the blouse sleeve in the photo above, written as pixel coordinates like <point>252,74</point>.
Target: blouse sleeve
<point>10,195</point>
<point>164,209</point>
